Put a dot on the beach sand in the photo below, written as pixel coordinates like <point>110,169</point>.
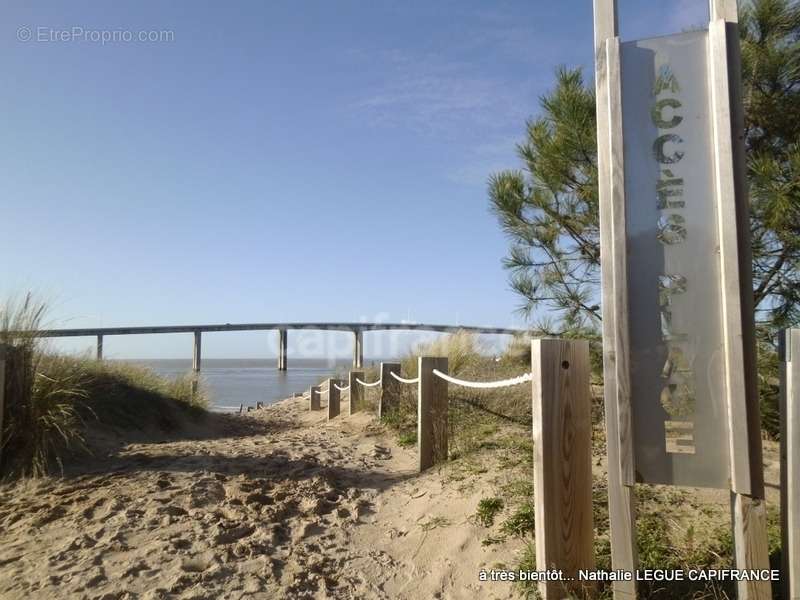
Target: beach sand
<point>277,503</point>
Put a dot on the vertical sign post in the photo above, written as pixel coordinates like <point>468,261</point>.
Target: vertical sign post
<point>790,463</point>
<point>678,333</point>
<point>621,495</point>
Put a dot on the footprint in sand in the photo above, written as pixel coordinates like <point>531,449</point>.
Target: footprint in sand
<point>206,491</point>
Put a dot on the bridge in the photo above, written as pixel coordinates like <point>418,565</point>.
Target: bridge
<point>357,329</point>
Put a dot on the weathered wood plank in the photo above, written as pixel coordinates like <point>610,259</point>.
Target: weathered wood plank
<point>606,22</point>
<point>621,497</point>
<point>750,544</point>
<point>723,9</point>
<point>389,388</point>
<point>790,464</point>
<point>432,412</point>
<point>732,317</point>
<point>562,463</point>
<point>747,484</point>
<point>3,365</point>
<point>334,397</point>
<point>314,399</point>
<point>619,260</point>
<point>356,392</point>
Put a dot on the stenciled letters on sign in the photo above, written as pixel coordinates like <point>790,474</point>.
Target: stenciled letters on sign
<point>677,392</point>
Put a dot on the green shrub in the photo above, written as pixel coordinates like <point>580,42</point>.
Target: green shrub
<point>488,508</point>
<point>522,522</point>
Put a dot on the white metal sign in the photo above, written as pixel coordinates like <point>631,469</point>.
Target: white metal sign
<point>675,325</point>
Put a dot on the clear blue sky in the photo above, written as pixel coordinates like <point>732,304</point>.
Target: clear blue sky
<point>273,161</point>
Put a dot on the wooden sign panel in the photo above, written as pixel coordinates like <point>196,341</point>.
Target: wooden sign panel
<point>677,378</point>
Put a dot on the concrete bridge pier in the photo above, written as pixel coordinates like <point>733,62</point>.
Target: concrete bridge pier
<point>358,349</point>
<point>282,349</point>
<point>100,347</point>
<point>196,352</point>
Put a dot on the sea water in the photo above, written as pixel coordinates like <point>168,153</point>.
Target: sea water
<point>233,382</point>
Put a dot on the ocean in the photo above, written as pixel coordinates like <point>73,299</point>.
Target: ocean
<point>232,382</point>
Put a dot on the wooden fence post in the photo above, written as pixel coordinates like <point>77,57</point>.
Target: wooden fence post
<point>562,462</point>
<point>15,394</point>
<point>356,392</point>
<point>432,418</point>
<point>389,387</point>
<point>334,396</point>
<point>790,463</point>
<point>3,364</point>
<point>313,399</point>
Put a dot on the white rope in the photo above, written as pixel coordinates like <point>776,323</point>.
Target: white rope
<point>485,384</point>
<point>341,389</point>
<point>401,380</point>
<point>368,384</point>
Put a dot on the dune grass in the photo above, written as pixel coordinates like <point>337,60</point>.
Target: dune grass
<point>52,398</point>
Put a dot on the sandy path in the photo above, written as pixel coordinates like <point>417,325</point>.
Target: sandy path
<point>276,504</point>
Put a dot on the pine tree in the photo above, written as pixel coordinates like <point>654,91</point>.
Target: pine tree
<point>549,209</point>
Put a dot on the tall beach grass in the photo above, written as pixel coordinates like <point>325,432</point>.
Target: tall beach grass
<point>51,399</point>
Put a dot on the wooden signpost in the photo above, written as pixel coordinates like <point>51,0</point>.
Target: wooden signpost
<point>678,332</point>
<point>790,463</point>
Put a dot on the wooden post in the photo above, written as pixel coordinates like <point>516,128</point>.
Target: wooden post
<point>282,349</point>
<point>334,397</point>
<point>358,349</point>
<point>100,347</point>
<point>432,418</point>
<point>389,387</point>
<point>356,391</point>
<point>314,398</point>
<point>562,462</point>
<point>739,353</point>
<point>196,352</point>
<point>621,495</point>
<point>15,389</point>
<point>790,463</point>
<point>3,365</point>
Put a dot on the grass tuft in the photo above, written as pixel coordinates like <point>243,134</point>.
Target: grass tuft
<point>52,399</point>
<point>488,509</point>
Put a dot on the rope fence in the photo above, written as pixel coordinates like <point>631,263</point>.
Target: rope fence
<point>365,384</point>
<point>341,389</point>
<point>484,384</point>
<point>401,380</point>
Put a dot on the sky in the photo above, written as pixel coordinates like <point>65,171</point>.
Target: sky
<point>273,161</point>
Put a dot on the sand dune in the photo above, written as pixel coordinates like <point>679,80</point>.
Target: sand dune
<point>278,503</point>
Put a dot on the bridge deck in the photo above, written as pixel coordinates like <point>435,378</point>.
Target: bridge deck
<point>352,327</point>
